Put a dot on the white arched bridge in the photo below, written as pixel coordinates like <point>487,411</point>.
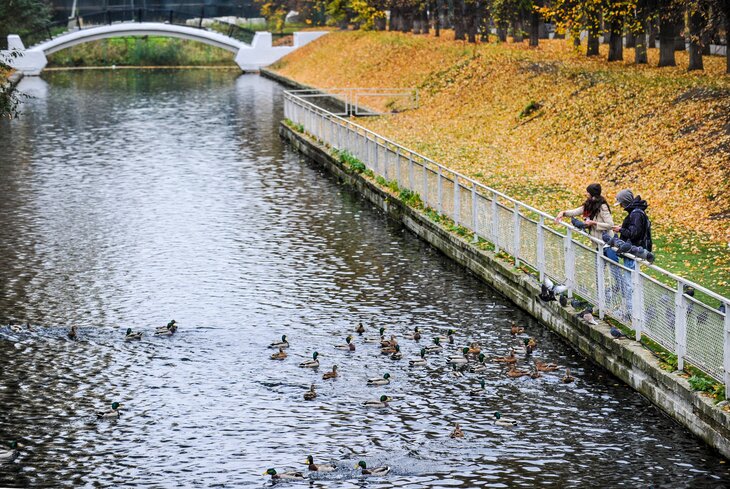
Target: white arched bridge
<point>260,52</point>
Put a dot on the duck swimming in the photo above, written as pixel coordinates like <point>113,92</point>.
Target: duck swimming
<point>462,359</point>
<point>318,467</point>
<point>280,344</point>
<point>380,338</point>
<point>419,362</point>
<point>389,343</point>
<point>170,325</point>
<point>330,375</point>
<point>567,378</point>
<point>384,380</point>
<point>377,471</point>
<point>72,335</point>
<point>8,455</point>
<point>132,336</point>
<point>313,363</point>
<point>284,476</point>
<point>381,403</point>
<point>479,366</point>
<point>515,330</point>
<point>396,355</point>
<point>479,390</point>
<point>349,345</point>
<point>545,367</point>
<point>511,358</point>
<point>112,413</point>
<point>515,374</point>
<point>416,335</point>
<point>500,421</point>
<point>169,330</point>
<point>310,394</point>
<point>16,328</point>
<point>280,355</point>
<point>436,347</point>
<point>457,433</point>
<point>359,330</point>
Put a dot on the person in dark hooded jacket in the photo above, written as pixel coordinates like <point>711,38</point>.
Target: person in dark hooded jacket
<point>636,227</point>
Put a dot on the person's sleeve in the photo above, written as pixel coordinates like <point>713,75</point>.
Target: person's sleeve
<point>574,212</point>
<point>606,221</point>
<point>632,232</point>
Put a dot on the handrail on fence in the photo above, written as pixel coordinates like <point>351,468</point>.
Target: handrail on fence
<point>351,97</point>
<point>660,307</point>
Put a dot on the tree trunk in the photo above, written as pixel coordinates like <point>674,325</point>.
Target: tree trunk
<point>630,39</point>
<point>696,22</point>
<point>470,14</point>
<point>616,41</point>
<point>680,43</point>
<point>517,31</point>
<point>394,19</point>
<point>653,33</point>
<point>534,28</point>
<point>437,18</point>
<point>726,8</point>
<point>576,41</point>
<point>667,26</point>
<point>640,56</point>
<point>502,33</point>
<point>459,28</point>
<point>606,31</point>
<point>484,22</point>
<point>425,24</point>
<point>592,44</point>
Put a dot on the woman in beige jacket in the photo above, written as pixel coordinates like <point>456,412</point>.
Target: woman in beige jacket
<point>595,212</point>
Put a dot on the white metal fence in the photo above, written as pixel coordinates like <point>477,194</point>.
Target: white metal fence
<point>649,300</point>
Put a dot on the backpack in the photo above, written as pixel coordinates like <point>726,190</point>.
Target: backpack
<point>646,243</point>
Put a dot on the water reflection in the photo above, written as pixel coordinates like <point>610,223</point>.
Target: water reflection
<point>130,198</point>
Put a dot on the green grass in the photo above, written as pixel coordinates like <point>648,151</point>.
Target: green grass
<point>142,51</point>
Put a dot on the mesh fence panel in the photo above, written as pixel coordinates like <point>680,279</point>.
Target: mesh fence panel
<point>484,217</point>
<point>554,255</point>
<point>528,241</point>
<point>432,192</point>
<point>391,164</point>
<point>705,338</point>
<point>447,197</point>
<point>659,312</point>
<point>407,180</point>
<point>465,207</point>
<point>618,292</point>
<point>506,229</point>
<point>418,181</point>
<point>585,273</point>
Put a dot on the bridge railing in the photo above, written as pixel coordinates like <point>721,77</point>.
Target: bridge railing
<point>678,314</point>
<point>198,19</point>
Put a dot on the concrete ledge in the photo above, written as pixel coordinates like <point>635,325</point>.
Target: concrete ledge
<point>625,359</point>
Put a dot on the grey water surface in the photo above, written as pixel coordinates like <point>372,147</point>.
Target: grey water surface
<point>129,198</point>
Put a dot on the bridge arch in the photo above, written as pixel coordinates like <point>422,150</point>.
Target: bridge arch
<point>249,57</point>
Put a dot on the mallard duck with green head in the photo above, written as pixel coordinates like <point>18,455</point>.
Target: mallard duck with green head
<point>376,471</point>
<point>131,335</point>
<point>284,475</point>
<point>349,345</point>
<point>462,359</point>
<point>169,330</point>
<point>456,371</point>
<point>114,412</point>
<point>449,338</point>
<point>420,361</point>
<point>479,366</point>
<point>381,403</point>
<point>313,363</point>
<point>500,421</point>
<point>384,380</point>
<point>479,390</point>
<point>169,325</point>
<point>380,338</point>
<point>396,355</point>
<point>436,347</point>
<point>319,467</point>
<point>9,454</point>
<point>284,343</point>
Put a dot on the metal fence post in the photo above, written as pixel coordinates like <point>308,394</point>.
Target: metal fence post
<point>385,159</point>
<point>438,190</point>
<point>568,253</point>
<point>411,176</point>
<point>637,302</point>
<point>601,284</point>
<point>457,201</point>
<point>726,350</point>
<point>495,223</point>
<point>516,234</point>
<point>474,209</point>
<point>541,248</point>
<point>680,325</point>
<point>397,167</point>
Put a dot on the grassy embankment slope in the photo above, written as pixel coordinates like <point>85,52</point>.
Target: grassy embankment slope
<point>142,51</point>
<point>662,132</point>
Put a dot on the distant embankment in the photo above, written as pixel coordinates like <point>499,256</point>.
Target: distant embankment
<point>141,51</point>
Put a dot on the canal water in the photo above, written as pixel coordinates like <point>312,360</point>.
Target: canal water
<point>130,198</point>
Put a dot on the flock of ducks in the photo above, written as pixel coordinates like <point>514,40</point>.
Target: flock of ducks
<point>9,454</point>
<point>470,360</point>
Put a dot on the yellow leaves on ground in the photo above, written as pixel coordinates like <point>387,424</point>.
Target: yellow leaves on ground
<point>664,133</point>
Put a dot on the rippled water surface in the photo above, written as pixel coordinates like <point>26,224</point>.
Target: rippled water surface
<point>128,198</point>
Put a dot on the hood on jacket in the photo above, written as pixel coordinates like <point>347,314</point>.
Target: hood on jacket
<point>638,203</point>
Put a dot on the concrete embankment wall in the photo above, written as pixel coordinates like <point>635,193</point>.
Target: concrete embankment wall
<point>628,360</point>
